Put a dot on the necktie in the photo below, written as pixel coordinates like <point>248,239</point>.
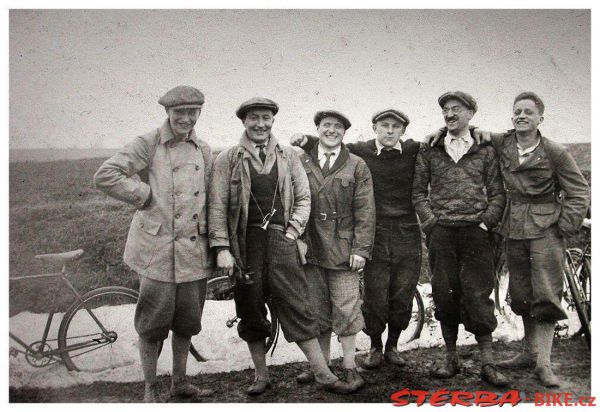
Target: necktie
<point>261,152</point>
<point>327,165</point>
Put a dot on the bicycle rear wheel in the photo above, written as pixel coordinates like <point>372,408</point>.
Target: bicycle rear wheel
<point>97,332</point>
<point>221,288</point>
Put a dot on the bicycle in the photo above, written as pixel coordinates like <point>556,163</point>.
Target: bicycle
<point>221,288</point>
<point>95,325</point>
<point>577,275</point>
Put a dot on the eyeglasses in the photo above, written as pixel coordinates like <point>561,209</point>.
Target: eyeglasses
<point>454,110</point>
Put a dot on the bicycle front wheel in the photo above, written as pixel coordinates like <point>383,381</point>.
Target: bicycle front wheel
<point>97,332</point>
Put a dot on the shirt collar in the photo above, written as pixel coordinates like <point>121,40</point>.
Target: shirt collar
<point>166,134</point>
<point>336,152</point>
<point>465,137</point>
<point>380,147</point>
<point>523,152</point>
<point>250,146</point>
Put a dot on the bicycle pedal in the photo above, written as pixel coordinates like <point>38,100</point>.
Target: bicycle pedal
<point>13,352</point>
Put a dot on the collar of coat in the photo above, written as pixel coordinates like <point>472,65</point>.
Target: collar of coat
<point>339,162</point>
<point>166,134</point>
<point>247,150</point>
<point>511,151</point>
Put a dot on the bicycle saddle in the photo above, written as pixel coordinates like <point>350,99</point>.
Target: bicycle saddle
<point>61,257</point>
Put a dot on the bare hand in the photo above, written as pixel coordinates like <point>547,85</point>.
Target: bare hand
<point>587,223</point>
<point>357,262</point>
<point>432,138</point>
<point>482,136</point>
<point>298,139</point>
<point>225,262</point>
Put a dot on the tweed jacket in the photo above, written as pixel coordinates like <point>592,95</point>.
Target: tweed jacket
<point>167,239</point>
<point>342,215</point>
<point>230,193</point>
<point>469,191</point>
<point>546,189</point>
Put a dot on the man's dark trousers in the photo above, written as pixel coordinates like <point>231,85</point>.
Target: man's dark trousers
<point>391,276</point>
<point>461,260</point>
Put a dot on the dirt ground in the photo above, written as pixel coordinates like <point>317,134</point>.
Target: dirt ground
<point>571,362</point>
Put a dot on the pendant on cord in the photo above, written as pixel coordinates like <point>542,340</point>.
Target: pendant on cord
<point>267,219</point>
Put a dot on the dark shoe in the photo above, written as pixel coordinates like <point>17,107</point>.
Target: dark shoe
<point>547,377</point>
<point>352,377</point>
<point>305,377</point>
<point>258,387</point>
<point>185,389</point>
<point>491,375</point>
<point>523,360</point>
<point>152,394</point>
<point>393,356</point>
<point>449,369</point>
<point>337,386</point>
<point>373,359</point>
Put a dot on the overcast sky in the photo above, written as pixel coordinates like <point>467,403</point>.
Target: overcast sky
<point>90,79</point>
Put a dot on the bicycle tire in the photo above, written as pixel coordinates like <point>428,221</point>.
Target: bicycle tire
<point>579,300</point>
<point>79,327</point>
<point>221,288</point>
<point>418,318</point>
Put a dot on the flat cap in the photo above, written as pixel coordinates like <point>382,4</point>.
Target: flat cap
<point>393,113</point>
<point>466,98</point>
<point>320,115</point>
<point>182,96</point>
<point>256,102</point>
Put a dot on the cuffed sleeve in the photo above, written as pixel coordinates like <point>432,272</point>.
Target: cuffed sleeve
<point>576,194</point>
<point>364,212</point>
<point>301,190</point>
<point>495,191</point>
<point>218,202</point>
<point>420,194</point>
<point>115,177</point>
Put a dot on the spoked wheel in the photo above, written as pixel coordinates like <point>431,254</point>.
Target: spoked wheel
<point>578,300</point>
<point>97,332</point>
<point>221,288</point>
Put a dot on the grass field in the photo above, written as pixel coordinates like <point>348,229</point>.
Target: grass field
<point>54,208</point>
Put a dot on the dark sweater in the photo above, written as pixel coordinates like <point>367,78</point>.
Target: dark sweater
<point>263,189</point>
<point>392,174</point>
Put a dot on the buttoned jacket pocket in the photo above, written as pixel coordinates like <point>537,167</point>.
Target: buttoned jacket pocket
<point>544,215</point>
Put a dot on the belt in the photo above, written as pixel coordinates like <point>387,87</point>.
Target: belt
<point>521,198</point>
<point>330,216</point>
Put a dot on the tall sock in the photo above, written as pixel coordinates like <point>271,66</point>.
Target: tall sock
<point>530,339</point>
<point>450,334</point>
<point>392,338</point>
<point>485,348</point>
<point>545,336</point>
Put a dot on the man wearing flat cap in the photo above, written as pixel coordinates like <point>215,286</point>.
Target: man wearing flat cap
<point>391,276</point>
<point>259,206</point>
<point>167,243</point>
<point>339,235</point>
<point>547,200</point>
<point>459,197</point>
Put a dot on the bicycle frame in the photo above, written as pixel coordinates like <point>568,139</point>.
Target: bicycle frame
<point>62,275</point>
